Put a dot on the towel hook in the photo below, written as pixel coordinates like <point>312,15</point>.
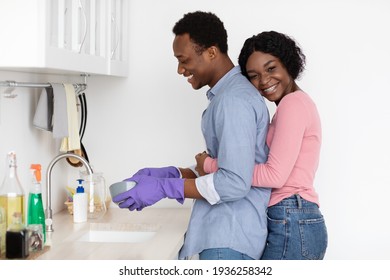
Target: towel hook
<point>85,75</point>
<point>10,87</point>
<point>81,87</point>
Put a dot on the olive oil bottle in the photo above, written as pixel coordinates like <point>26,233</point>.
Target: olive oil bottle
<point>12,197</point>
<point>3,229</point>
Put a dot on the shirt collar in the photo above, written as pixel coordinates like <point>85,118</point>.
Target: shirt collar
<point>217,88</point>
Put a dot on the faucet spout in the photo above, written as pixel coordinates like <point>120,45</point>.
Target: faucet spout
<point>49,211</point>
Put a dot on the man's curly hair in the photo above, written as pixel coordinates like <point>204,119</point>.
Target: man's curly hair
<point>205,30</point>
<point>278,45</point>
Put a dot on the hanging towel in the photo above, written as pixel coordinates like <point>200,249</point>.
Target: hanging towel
<point>44,111</point>
<point>72,142</point>
<point>60,113</point>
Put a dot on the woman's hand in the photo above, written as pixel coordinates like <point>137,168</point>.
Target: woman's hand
<point>199,163</point>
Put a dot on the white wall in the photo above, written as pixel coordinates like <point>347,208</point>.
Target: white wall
<point>30,144</point>
<point>152,118</point>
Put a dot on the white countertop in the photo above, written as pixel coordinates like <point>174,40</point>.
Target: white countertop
<point>169,225</point>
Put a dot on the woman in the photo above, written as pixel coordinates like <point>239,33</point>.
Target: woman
<point>296,228</point>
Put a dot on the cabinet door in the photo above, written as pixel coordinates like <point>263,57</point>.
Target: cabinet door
<point>76,36</point>
<point>95,30</point>
<point>118,34</point>
<point>22,37</point>
<point>65,36</point>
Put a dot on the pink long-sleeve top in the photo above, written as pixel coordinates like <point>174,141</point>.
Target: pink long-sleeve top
<point>294,138</point>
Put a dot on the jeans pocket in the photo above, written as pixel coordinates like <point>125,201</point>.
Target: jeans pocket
<point>314,238</point>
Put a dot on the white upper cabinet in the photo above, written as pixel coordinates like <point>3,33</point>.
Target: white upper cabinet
<point>64,36</point>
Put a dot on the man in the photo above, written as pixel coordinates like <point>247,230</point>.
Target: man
<point>228,219</point>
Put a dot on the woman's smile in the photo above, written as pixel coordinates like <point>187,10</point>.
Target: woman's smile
<point>269,90</point>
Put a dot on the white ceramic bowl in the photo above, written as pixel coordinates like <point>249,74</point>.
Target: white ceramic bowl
<point>120,187</point>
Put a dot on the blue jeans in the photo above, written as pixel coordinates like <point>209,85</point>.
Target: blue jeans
<point>296,231</point>
<point>222,254</point>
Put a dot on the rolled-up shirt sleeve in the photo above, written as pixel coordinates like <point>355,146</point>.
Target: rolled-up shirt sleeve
<point>205,186</point>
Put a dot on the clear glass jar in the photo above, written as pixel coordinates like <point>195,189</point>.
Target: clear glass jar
<point>95,187</point>
<point>35,236</point>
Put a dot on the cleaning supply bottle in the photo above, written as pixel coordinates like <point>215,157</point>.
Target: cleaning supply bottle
<point>35,212</point>
<point>17,241</point>
<point>11,195</point>
<point>80,204</point>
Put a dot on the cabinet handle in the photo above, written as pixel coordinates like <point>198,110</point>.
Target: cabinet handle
<point>116,29</point>
<point>81,8</point>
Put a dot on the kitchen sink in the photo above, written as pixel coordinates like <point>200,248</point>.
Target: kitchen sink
<point>117,233</point>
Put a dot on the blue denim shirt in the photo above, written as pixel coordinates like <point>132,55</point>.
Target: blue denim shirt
<point>233,214</point>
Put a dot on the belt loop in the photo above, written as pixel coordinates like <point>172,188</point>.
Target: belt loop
<point>298,197</point>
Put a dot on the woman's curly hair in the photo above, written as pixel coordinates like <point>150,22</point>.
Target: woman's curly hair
<point>278,45</point>
<point>205,30</point>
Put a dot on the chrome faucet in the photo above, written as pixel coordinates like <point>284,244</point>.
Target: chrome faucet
<point>49,212</point>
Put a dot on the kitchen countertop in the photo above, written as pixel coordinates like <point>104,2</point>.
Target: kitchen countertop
<point>169,225</point>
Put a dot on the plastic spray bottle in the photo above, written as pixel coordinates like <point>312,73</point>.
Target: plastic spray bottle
<point>80,204</point>
<point>35,212</point>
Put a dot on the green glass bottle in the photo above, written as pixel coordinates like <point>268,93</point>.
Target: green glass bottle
<point>35,212</point>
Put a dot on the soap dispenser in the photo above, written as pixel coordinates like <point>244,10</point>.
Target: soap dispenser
<point>80,203</point>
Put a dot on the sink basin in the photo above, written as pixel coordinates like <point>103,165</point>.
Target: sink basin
<point>116,233</point>
<point>117,236</point>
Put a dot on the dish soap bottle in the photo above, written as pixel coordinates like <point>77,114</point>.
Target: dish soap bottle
<point>80,203</point>
<point>17,241</point>
<point>35,212</point>
<point>11,195</point>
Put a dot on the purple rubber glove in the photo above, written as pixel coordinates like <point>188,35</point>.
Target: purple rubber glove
<point>162,172</point>
<point>150,190</point>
